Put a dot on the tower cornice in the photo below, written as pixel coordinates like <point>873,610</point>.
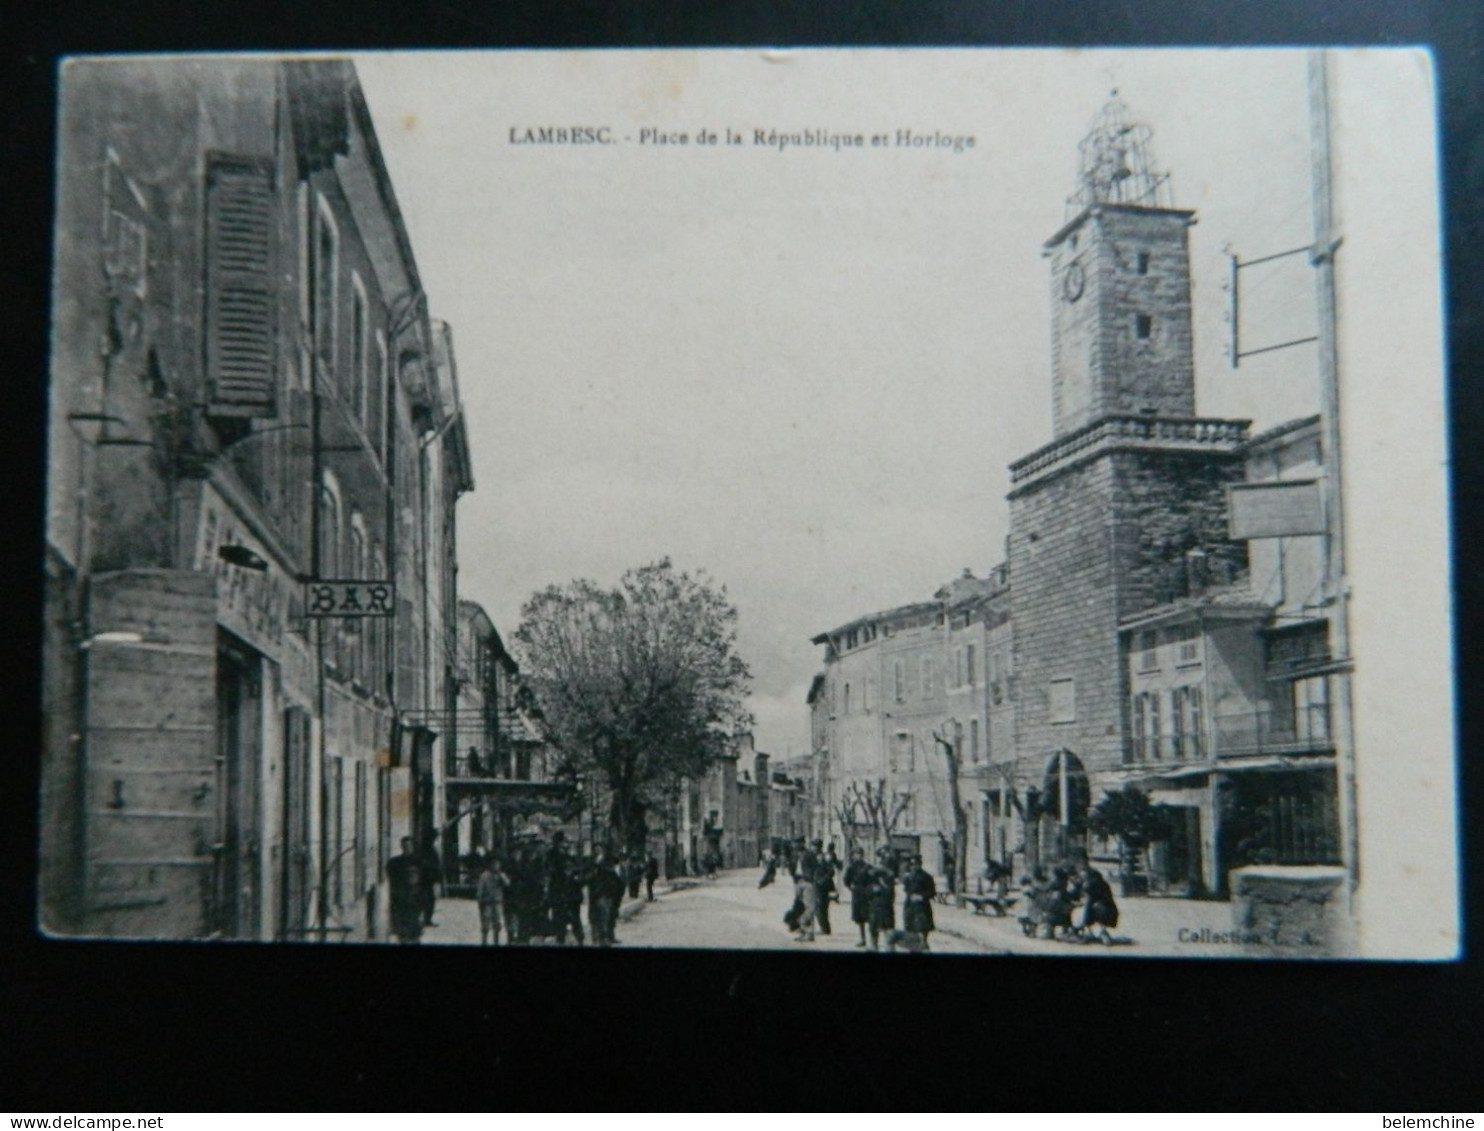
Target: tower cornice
<point>1164,434</point>
<point>1098,209</point>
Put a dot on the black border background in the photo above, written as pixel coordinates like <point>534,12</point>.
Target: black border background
<point>120,1027</point>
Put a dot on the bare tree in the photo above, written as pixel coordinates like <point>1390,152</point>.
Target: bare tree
<point>954,756</point>
<point>868,805</point>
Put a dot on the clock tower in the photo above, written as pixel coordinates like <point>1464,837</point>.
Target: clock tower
<point>1120,286</point>
<point>1106,518</point>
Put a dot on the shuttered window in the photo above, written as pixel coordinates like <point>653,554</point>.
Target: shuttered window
<point>239,300</point>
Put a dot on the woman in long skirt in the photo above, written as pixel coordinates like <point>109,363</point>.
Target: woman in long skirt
<point>881,899</point>
<point>917,912</point>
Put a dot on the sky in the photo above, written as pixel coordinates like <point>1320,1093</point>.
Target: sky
<point>802,371</point>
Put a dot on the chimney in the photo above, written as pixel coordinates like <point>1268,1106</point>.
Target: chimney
<point>760,769</point>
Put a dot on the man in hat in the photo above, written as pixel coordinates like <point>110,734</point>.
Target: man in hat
<point>824,883</point>
<point>404,878</point>
<point>431,866</point>
<point>604,894</point>
<point>563,892</point>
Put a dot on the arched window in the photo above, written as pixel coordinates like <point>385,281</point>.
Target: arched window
<point>356,569</point>
<point>328,565</point>
<point>379,630</point>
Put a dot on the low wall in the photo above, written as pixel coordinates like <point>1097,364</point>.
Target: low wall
<point>1292,912</point>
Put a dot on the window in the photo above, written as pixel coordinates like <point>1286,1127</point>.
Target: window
<point>1142,263</point>
<point>337,825</point>
<point>1062,701</point>
<point>973,740</point>
<point>240,287</point>
<point>1188,650</point>
<point>360,827</point>
<point>927,677</point>
<point>329,533</point>
<point>326,290</point>
<point>1147,646</point>
<point>383,819</point>
<point>357,380</point>
<point>969,665</point>
<point>866,696</point>
<point>1185,722</point>
<point>847,698</point>
<point>899,682</point>
<point>996,679</point>
<point>380,382</point>
<point>1311,709</point>
<point>1143,326</point>
<point>1146,726</point>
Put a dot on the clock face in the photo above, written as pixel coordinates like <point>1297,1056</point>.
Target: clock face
<point>1073,281</point>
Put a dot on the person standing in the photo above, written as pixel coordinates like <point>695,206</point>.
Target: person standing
<point>824,882</point>
<point>857,879</point>
<point>604,893</point>
<point>651,873</point>
<point>806,895</point>
<point>917,910</point>
<point>881,899</point>
<point>404,878</point>
<point>633,873</point>
<point>431,866</point>
<point>770,868</point>
<point>833,860</point>
<point>490,892</point>
<point>563,892</point>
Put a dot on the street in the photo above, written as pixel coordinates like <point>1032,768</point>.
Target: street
<point>731,912</point>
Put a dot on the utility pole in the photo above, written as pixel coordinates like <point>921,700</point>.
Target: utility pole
<point>1326,244</point>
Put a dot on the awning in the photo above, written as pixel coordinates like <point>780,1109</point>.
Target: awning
<point>513,795</point>
<point>1143,773</point>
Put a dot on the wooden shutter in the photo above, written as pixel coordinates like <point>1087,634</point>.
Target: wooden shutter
<point>151,792</point>
<point>239,285</point>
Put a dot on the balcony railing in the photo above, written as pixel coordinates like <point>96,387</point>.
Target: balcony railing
<point>1253,733</point>
<point>1305,730</point>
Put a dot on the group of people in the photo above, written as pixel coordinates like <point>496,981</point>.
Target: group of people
<point>873,894</point>
<point>1051,900</point>
<point>533,894</point>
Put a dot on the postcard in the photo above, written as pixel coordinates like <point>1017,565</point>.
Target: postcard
<point>862,502</point>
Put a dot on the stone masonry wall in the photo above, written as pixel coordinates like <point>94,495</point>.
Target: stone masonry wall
<point>1100,365</point>
<point>1088,548</point>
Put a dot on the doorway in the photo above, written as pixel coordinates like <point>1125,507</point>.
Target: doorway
<point>239,692</point>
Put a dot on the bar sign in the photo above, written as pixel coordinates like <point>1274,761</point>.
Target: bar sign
<point>350,599</point>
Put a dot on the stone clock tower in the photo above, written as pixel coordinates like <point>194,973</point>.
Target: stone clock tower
<point>1120,287</point>
<point>1107,519</point>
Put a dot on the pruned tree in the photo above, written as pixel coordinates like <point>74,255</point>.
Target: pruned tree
<point>640,684</point>
<point>953,753</point>
<point>868,805</point>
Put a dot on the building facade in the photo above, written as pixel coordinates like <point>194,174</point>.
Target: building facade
<point>244,379</point>
<point>1160,620</point>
